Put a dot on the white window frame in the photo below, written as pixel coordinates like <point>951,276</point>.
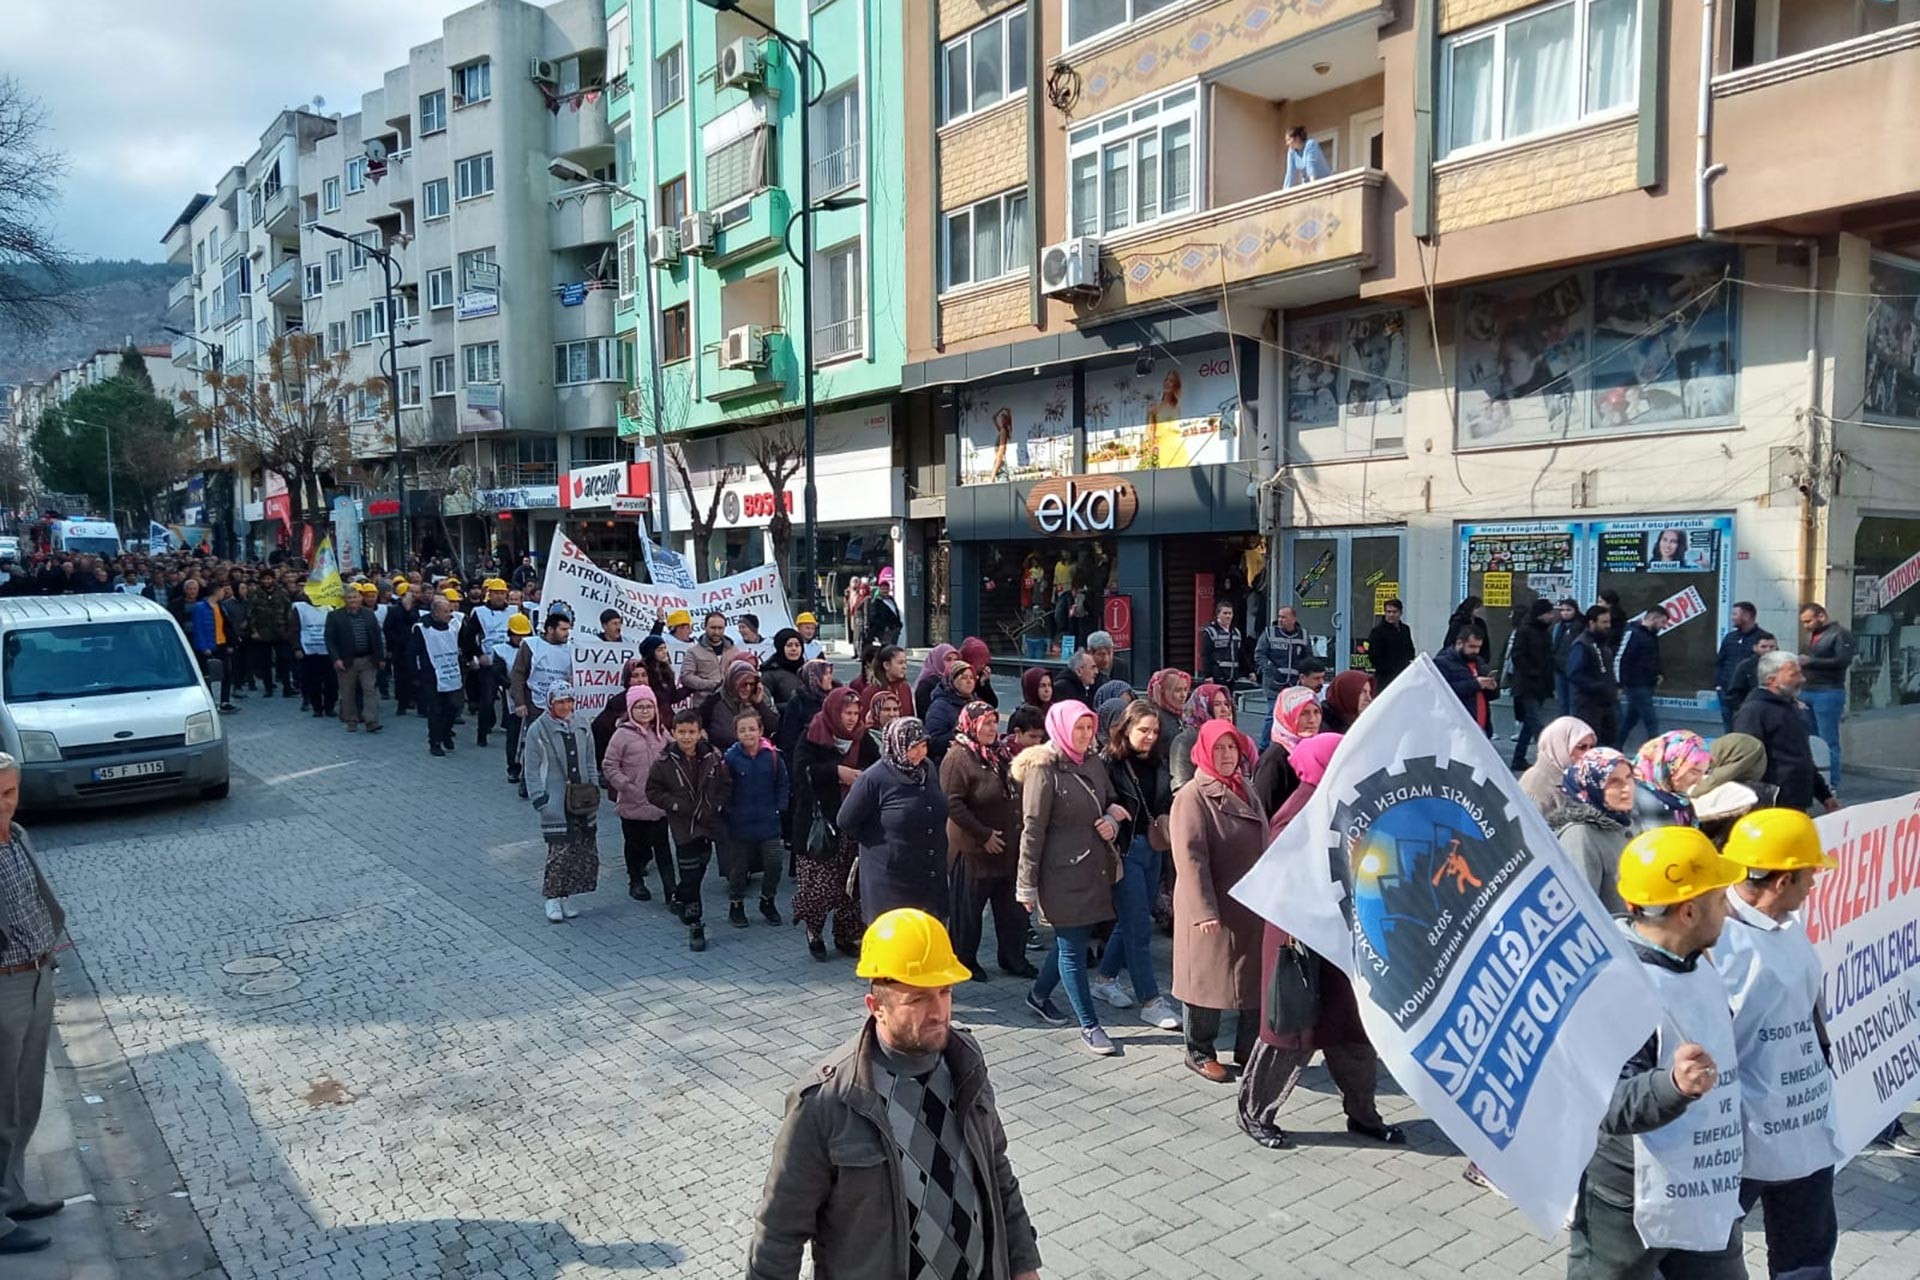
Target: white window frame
<point>823,275</point>
<point>619,46</point>
<point>356,174</point>
<point>430,209</point>
<point>336,336</point>
<point>480,358</point>
<point>336,266</point>
<point>363,327</point>
<point>330,195</point>
<point>670,78</point>
<point>627,264</point>
<point>1134,124</point>
<point>410,388</point>
<point>440,289</point>
<point>464,78</point>
<point>841,169</point>
<point>1496,31</point>
<point>963,45</point>
<point>1009,267</point>
<point>315,280</point>
<point>462,167</point>
<point>599,351</point>
<point>357,258</point>
<point>1136,12</point>
<point>440,374</point>
<point>433,112</point>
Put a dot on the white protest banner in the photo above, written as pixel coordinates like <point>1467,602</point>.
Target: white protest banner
<point>596,671</point>
<point>1864,921</point>
<point>1489,977</point>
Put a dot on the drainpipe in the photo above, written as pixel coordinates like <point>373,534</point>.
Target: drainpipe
<point>1704,174</point>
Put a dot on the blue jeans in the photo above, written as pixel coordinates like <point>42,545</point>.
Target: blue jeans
<point>1827,706</point>
<point>1726,711</point>
<point>1528,716</point>
<point>1068,960</point>
<point>1636,704</point>
<point>1132,940</point>
<point>1563,687</point>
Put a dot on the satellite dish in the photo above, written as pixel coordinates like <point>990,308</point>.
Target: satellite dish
<point>376,151</point>
<point>319,104</point>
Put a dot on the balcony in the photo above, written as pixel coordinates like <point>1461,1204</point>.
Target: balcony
<point>575,131</point>
<point>181,292</point>
<point>183,349</point>
<point>588,406</point>
<point>593,318</point>
<point>1281,249</point>
<point>281,211</point>
<point>283,282</point>
<point>839,341</point>
<point>836,171</point>
<point>583,220</point>
<point>751,228</point>
<point>733,386</point>
<point>517,475</point>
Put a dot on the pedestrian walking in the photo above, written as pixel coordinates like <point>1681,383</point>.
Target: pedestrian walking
<point>756,819</point>
<point>1222,648</point>
<point>1296,717</point>
<point>932,1193</point>
<point>898,816</point>
<point>950,701</point>
<point>1470,615</point>
<point>1664,770</point>
<point>743,691</point>
<point>1735,648</point>
<point>691,785</point>
<point>1568,624</point>
<point>974,652</point>
<point>932,672</point>
<point>213,642</point>
<point>1167,692</point>
<point>781,671</point>
<point>519,629</point>
<point>1281,649</point>
<point>1531,664</point>
<point>269,631</point>
<point>484,627</point>
<point>403,616</point>
<point>1637,668</point>
<point>1746,677</point>
<point>1594,819</point>
<point>832,754</point>
<point>1463,666</point>
<point>1562,743</point>
<point>356,648</point>
<point>564,786</point>
<point>1208,703</point>
<point>544,662</point>
<point>983,838</point>
<point>434,653</point>
<point>1036,688</point>
<point>1350,693</point>
<point>319,681</point>
<point>1775,716</point>
<point>707,660</point>
<point>1142,787</point>
<point>637,744</point>
<point>1596,693</point>
<point>881,612</point>
<point>1390,647</point>
<point>1823,665</point>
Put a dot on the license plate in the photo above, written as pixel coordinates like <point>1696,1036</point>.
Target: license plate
<point>141,770</point>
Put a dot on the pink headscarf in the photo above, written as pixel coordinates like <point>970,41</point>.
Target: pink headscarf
<point>936,664</point>
<point>1061,719</point>
<point>1312,756</point>
<point>1286,715</point>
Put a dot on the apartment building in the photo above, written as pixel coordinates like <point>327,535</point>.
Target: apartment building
<point>1552,297</point>
<point>707,114</point>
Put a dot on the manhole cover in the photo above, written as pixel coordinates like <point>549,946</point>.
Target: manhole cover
<point>253,964</point>
<point>271,983</point>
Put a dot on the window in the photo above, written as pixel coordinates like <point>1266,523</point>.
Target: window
<point>336,265</point>
<point>984,66</point>
<point>740,168</point>
<point>482,361</point>
<point>380,316</point>
<point>200,253</point>
<point>366,405</point>
<point>836,141</point>
<point>476,258</point>
<point>838,303</point>
<point>433,199</point>
<point>473,176</point>
<point>1089,18</point>
<point>1133,166</point>
<point>987,241</point>
<point>439,289</point>
<point>590,361</point>
<point>669,77</point>
<point>440,373</point>
<point>357,251</point>
<point>336,337</point>
<point>363,327</point>
<point>590,449</point>
<point>356,174</point>
<point>676,335</point>
<point>619,45</point>
<point>330,195</point>
<point>623,155</point>
<point>314,283</point>
<point>1545,69</point>
<point>433,112</point>
<point>673,201</point>
<point>627,266</point>
<point>409,388</point>
<point>472,83</point>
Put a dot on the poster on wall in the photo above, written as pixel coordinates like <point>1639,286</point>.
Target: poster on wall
<point>1522,347</point>
<point>1186,412</point>
<point>1675,546</point>
<point>1684,562</point>
<point>1350,371</point>
<point>1893,341</point>
<point>1014,431</point>
<point>1509,566</point>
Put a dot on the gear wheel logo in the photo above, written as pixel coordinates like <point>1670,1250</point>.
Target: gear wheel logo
<point>1425,849</point>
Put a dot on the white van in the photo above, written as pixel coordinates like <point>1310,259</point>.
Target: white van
<point>101,701</point>
<point>84,537</point>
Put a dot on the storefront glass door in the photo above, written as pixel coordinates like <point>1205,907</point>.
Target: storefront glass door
<point>1337,581</point>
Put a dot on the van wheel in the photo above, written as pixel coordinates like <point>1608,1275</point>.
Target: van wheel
<point>218,792</point>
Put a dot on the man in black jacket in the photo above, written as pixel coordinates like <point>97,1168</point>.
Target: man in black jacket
<point>1735,648</point>
<point>1596,694</point>
<point>398,632</point>
<point>1222,649</point>
<point>1746,676</point>
<point>1565,631</point>
<point>1637,667</point>
<point>1460,666</point>
<point>1390,645</point>
<point>1775,715</point>
<point>1533,670</point>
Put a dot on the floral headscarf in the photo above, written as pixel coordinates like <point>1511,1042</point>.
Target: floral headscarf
<point>1660,758</point>
<point>813,671</point>
<point>1062,717</point>
<point>1200,706</point>
<point>900,737</point>
<point>1286,715</point>
<point>971,716</point>
<point>957,666</point>
<point>1587,781</point>
<point>1160,686</point>
<point>872,698</point>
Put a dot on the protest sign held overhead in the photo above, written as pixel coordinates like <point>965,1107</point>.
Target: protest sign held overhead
<point>1493,983</point>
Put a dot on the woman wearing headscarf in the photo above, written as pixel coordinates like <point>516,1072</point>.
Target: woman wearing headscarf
<point>974,650</point>
<point>949,701</point>
<point>1296,717</point>
<point>741,690</point>
<point>1348,695</point>
<point>1595,819</point>
<point>797,712</point>
<point>828,762</point>
<point>636,744</point>
<point>983,835</point>
<point>1284,1052</point>
<point>1733,785</point>
<point>931,674</point>
<point>1665,768</point>
<point>879,708</point>
<point>564,785</point>
<point>897,814</point>
<point>1069,820</point>
<point>632,673</point>
<point>1167,691</point>
<point>1219,833</point>
<point>781,669</point>
<point>1209,702</point>
<point>1561,744</point>
<point>1036,687</point>
<point>1141,785</point>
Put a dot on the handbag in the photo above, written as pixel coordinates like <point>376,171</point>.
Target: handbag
<point>581,799</point>
<point>821,838</point>
<point>1160,834</point>
<point>1293,991</point>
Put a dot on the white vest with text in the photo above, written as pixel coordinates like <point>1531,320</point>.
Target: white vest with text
<point>1686,1175</point>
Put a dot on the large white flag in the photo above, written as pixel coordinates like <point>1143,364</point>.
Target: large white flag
<point>1493,983</point>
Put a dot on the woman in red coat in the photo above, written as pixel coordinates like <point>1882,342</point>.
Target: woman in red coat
<point>1280,1056</point>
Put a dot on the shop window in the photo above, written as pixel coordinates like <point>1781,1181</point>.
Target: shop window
<point>1177,412</point>
<point>1886,614</point>
<point>1033,593</point>
<point>1893,344</point>
<point>1016,430</point>
<point>1630,347</point>
<point>1347,386</point>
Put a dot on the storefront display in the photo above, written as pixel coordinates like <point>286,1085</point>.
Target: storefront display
<point>1016,430</point>
<point>1175,414</point>
<point>1034,593</point>
<point>1886,613</point>
<point>1347,384</point>
<point>1893,343</point>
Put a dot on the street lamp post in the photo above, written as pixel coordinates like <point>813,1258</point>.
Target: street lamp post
<point>217,354</point>
<point>389,270</point>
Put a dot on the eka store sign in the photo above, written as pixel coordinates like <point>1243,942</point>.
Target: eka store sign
<point>1081,506</point>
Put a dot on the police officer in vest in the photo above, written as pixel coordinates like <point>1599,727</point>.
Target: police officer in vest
<point>1786,1082</point>
<point>1661,1195</point>
<point>485,629</point>
<point>519,627</point>
<point>436,656</point>
<point>544,661</point>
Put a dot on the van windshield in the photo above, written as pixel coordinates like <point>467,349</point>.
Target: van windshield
<point>38,664</point>
<point>97,546</point>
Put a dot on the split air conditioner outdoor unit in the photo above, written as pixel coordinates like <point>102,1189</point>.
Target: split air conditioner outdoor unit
<point>697,231</point>
<point>543,71</point>
<point>663,246</point>
<point>1071,268</point>
<point>740,65</point>
<point>745,348</point>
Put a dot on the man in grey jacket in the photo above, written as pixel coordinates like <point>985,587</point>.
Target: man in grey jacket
<point>31,923</point>
<point>892,1161</point>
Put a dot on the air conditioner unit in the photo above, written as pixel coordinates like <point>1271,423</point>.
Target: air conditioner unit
<point>1071,268</point>
<point>740,66</point>
<point>745,348</point>
<point>697,231</point>
<point>543,71</point>
<point>663,246</point>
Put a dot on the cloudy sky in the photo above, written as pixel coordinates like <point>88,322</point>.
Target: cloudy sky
<point>152,100</point>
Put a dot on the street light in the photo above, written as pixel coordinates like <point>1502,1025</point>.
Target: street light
<point>389,269</point>
<point>218,355</point>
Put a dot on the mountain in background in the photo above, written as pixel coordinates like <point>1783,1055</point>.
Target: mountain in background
<point>113,301</point>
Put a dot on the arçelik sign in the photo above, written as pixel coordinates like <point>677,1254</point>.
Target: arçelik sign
<point>1081,506</point>
<point>594,488</point>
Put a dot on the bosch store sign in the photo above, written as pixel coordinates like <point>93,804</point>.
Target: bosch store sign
<point>1082,506</point>
<point>595,488</point>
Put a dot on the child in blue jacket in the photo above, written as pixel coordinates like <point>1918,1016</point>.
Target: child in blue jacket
<point>755,819</point>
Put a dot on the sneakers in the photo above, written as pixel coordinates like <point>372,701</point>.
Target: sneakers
<point>435,750</point>
<point>1390,1134</point>
<point>555,914</point>
<point>769,912</point>
<point>227,709</point>
<point>1159,1012</point>
<point>1033,939</point>
<point>1046,1010</point>
<point>737,914</point>
<point>1109,991</point>
<point>1098,1042</point>
<point>566,905</point>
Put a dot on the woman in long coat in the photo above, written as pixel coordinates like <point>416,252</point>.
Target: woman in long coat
<point>558,750</point>
<point>1219,833</point>
<point>1282,1054</point>
<point>828,762</point>
<point>897,813</point>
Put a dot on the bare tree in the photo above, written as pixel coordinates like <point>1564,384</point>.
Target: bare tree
<point>780,452</point>
<point>33,286</point>
<point>703,525</point>
<point>442,467</point>
<point>669,418</point>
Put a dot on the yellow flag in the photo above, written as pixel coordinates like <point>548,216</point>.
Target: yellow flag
<point>323,580</point>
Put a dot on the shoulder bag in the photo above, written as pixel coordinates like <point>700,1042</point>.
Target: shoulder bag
<point>1293,991</point>
<point>582,799</point>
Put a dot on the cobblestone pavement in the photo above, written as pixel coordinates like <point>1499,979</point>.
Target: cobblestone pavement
<point>433,1081</point>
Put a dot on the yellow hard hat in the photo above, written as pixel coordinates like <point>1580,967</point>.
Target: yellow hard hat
<point>679,618</point>
<point>1673,864</point>
<point>806,617</point>
<point>519,625</point>
<point>1777,840</point>
<point>908,945</point>
<point>451,594</point>
<point>399,583</point>
<point>366,588</point>
<point>496,584</point>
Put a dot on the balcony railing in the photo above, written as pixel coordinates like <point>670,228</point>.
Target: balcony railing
<point>283,277</point>
<point>183,349</point>
<point>516,474</point>
<point>182,291</point>
<point>839,340</point>
<point>836,171</point>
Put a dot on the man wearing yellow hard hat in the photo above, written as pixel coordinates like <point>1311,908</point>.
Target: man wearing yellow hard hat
<point>892,1160</point>
<point>484,630</point>
<point>1661,1194</point>
<point>809,628</point>
<point>1773,979</point>
<point>519,630</point>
